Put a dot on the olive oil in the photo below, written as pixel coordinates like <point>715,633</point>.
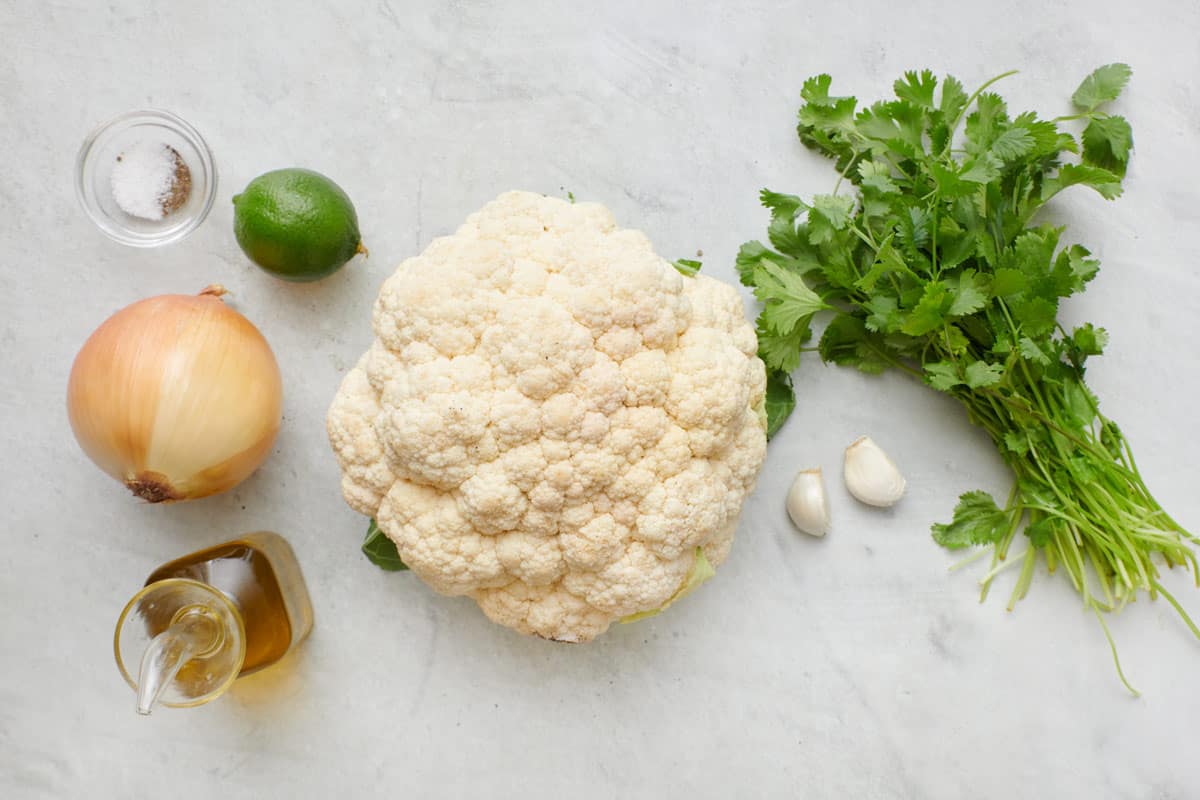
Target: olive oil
<point>207,618</point>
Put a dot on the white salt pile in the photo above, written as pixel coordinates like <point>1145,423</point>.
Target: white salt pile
<point>150,180</point>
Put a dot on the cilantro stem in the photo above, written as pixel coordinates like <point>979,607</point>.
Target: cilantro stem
<point>971,559</point>
<point>1171,599</point>
<point>1113,647</point>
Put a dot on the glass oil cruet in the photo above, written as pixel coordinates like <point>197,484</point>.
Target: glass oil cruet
<point>203,620</point>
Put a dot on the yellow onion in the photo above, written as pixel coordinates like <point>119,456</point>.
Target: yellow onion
<point>176,396</point>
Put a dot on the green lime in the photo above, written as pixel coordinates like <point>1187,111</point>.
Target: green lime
<point>296,224</point>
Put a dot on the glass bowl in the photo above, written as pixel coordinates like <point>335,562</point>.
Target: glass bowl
<point>94,167</point>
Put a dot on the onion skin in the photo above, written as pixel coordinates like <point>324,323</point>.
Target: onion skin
<point>176,396</point>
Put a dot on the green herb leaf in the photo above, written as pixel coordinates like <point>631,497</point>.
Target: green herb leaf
<point>917,88</point>
<point>1102,86</point>
<point>1012,144</point>
<point>846,341</point>
<point>780,400</point>
<point>787,300</point>
<point>1037,315</point>
<point>1103,181</point>
<point>930,312</point>
<point>781,352</point>
<point>1017,441</point>
<point>884,316</point>
<point>977,520</point>
<point>980,374</point>
<point>687,266</point>
<point>1007,281</point>
<point>1032,351</point>
<point>749,256</point>
<point>830,213</point>
<point>969,295</point>
<point>1106,144</point>
<point>782,205</point>
<point>954,98</point>
<point>381,551</point>
<point>877,175</point>
<point>1089,339</point>
<point>942,375</point>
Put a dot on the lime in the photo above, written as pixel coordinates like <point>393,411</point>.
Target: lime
<point>296,224</point>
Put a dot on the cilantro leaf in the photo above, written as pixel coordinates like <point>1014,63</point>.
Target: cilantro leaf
<point>786,298</point>
<point>954,98</point>
<point>912,232</point>
<point>942,376</point>
<point>1037,315</point>
<point>381,551</point>
<point>1083,268</point>
<point>878,176</point>
<point>1045,138</point>
<point>1108,184</point>
<point>749,256</point>
<point>780,400</point>
<point>829,213</point>
<point>1017,441</point>
<point>885,316</point>
<point>917,88</point>
<point>1007,281</point>
<point>784,236</point>
<point>847,342</point>
<point>1012,144</point>
<point>950,182</point>
<point>1031,351</point>
<point>1079,403</point>
<point>977,520</point>
<point>781,352</point>
<point>980,374</point>
<point>1112,439</point>
<point>984,168</point>
<point>825,122</point>
<point>887,261</point>
<point>782,205</point>
<point>1089,339</point>
<point>1102,86</point>
<point>985,124</point>
<point>969,295</point>
<point>1106,144</point>
<point>687,266</point>
<point>930,311</point>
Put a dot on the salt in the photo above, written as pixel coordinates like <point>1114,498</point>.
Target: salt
<point>150,180</point>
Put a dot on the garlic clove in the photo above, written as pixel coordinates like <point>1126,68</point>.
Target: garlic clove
<point>870,475</point>
<point>807,503</point>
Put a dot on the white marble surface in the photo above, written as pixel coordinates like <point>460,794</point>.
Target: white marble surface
<point>850,667</point>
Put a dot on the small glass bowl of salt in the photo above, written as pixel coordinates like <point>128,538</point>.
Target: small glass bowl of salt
<point>146,178</point>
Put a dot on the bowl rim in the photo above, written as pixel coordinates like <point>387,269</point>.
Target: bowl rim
<point>168,120</point>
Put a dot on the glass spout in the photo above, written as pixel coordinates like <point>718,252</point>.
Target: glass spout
<point>195,632</point>
<point>186,641</point>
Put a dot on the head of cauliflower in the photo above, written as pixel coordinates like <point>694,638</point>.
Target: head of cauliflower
<point>551,418</point>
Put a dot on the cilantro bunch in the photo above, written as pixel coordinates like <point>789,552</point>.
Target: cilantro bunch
<point>937,266</point>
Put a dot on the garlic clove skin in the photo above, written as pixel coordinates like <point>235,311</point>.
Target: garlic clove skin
<point>807,503</point>
<point>871,476</point>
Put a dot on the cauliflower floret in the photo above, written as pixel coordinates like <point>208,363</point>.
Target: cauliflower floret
<point>551,419</point>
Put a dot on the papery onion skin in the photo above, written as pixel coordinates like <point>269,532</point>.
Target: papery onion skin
<point>176,396</point>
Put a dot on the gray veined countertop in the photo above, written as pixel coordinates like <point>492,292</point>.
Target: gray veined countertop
<point>854,666</point>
